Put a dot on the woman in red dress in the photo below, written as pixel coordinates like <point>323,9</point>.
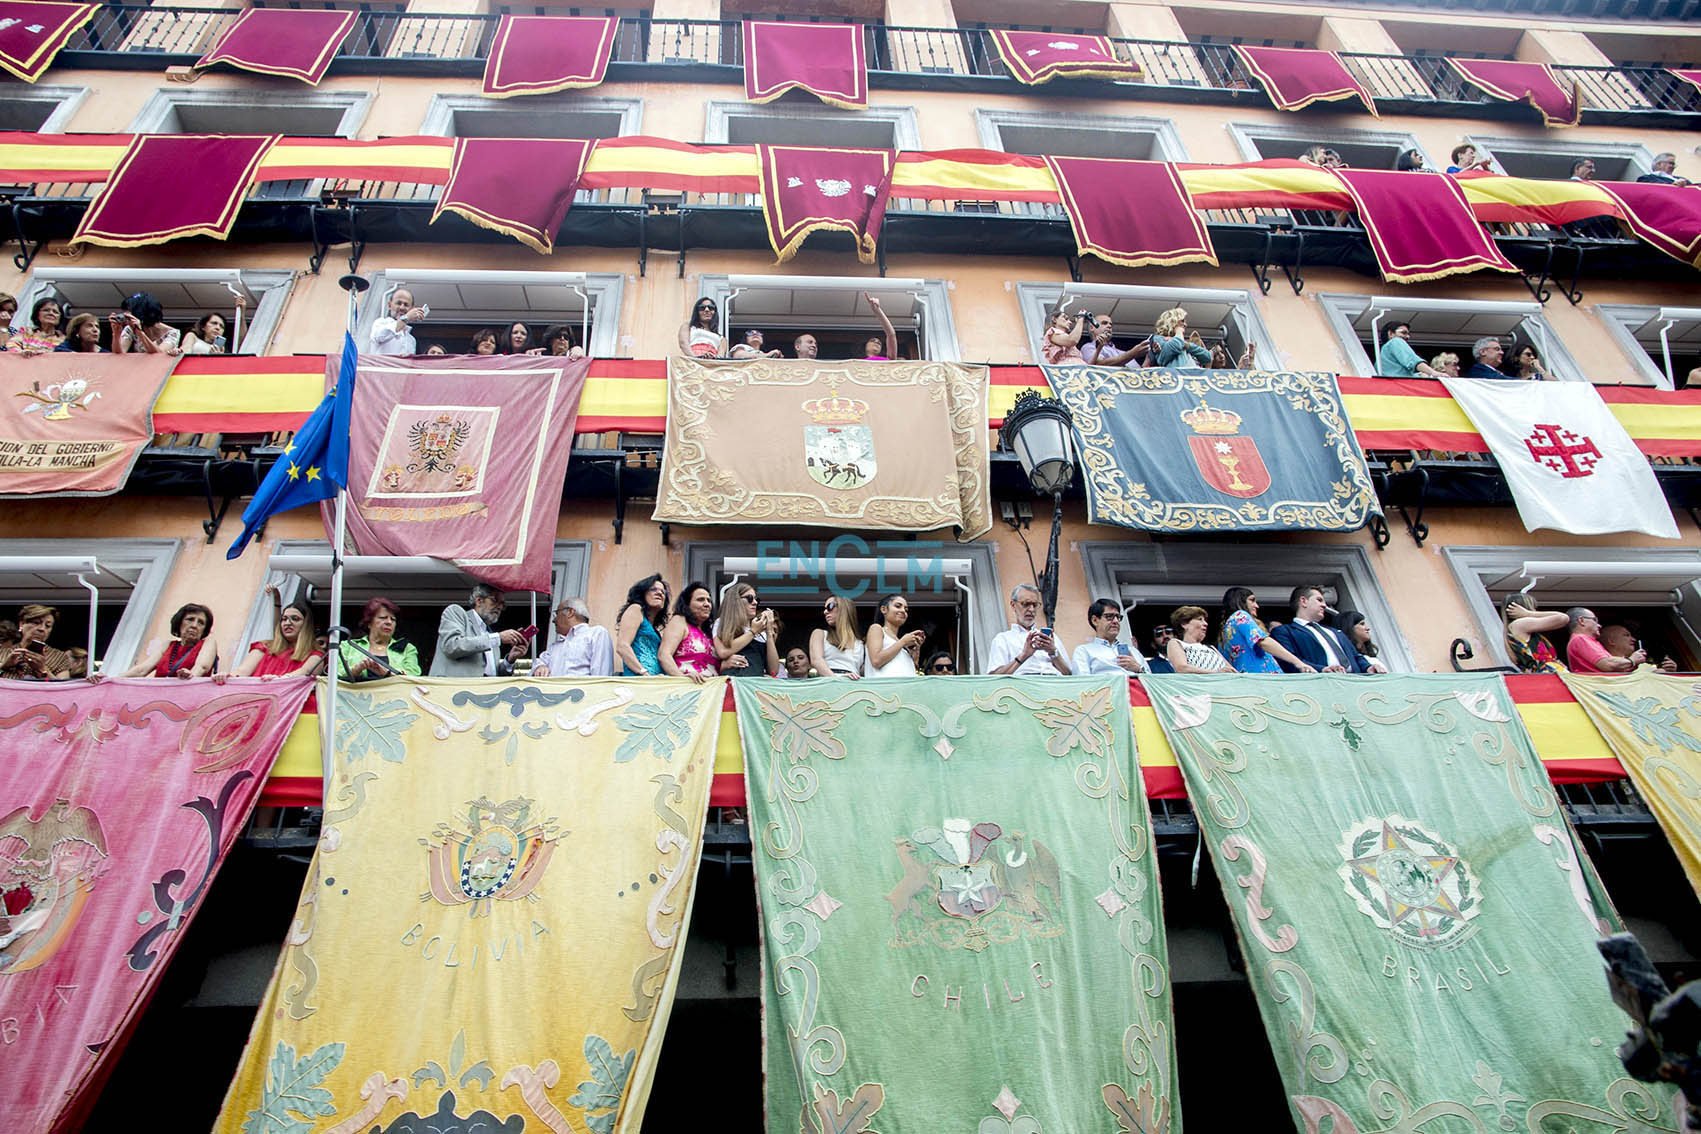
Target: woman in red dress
<point>290,653</point>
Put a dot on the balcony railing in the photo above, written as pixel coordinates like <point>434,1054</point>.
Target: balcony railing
<point>138,36</point>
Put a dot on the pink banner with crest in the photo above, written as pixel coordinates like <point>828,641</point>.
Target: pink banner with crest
<point>118,803</point>
<point>462,458</point>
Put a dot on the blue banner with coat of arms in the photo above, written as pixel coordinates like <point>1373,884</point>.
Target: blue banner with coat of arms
<point>1215,450</point>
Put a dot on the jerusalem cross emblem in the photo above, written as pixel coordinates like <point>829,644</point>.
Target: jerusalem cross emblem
<point>1566,453</point>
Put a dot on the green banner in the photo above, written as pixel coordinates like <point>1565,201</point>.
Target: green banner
<point>960,907</point>
<point>1414,910</point>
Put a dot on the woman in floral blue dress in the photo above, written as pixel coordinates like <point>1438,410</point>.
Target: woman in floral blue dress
<point>1246,643</point>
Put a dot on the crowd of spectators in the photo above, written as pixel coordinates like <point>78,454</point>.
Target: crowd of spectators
<point>138,326</point>
<point>700,337</point>
<point>1589,646</point>
<point>393,334</point>
<point>1489,359</point>
<point>1075,336</point>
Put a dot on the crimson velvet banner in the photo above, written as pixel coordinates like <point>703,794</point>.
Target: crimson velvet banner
<point>1035,57</point>
<point>1296,77</point>
<point>1692,77</point>
<point>118,803</point>
<point>827,60</point>
<point>1420,225</point>
<point>32,33</point>
<point>74,423</point>
<point>1131,212</point>
<point>296,43</point>
<point>519,186</point>
<point>1518,81</point>
<point>149,200</point>
<point>461,458</point>
<point>1666,216</point>
<point>806,189</point>
<point>543,54</point>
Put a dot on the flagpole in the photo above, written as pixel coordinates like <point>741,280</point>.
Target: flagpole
<point>354,285</point>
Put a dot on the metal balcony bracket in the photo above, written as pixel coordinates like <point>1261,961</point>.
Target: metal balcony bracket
<point>1379,530</point>
<point>1261,269</point>
<point>1074,262</point>
<point>880,256</point>
<point>1295,280</point>
<point>1415,527</point>
<point>1458,653</point>
<point>619,500</point>
<point>235,479</point>
<point>26,250</point>
<point>666,532</point>
<point>325,237</point>
<point>1539,289</point>
<point>1574,294</point>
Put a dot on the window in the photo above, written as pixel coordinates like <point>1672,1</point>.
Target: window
<point>236,110</point>
<point>1360,149</point>
<point>1079,135</point>
<point>1654,591</point>
<point>1223,315</point>
<point>462,302</point>
<point>127,577</point>
<point>1442,324</point>
<point>833,310</point>
<point>422,587</point>
<point>186,294</point>
<point>540,116</point>
<point>1153,579</point>
<point>40,110</point>
<point>1664,343</point>
<point>953,588</point>
<point>1551,160</point>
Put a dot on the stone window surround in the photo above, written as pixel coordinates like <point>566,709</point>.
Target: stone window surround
<point>605,291</point>
<point>1340,308</point>
<point>271,285</point>
<point>1034,299</point>
<point>938,327</point>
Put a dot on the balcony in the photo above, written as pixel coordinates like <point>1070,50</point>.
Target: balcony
<point>400,42</point>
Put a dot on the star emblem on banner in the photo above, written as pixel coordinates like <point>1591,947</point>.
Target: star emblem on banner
<point>1410,881</point>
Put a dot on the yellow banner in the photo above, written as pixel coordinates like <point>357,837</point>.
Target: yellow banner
<point>1652,721</point>
<point>493,921</point>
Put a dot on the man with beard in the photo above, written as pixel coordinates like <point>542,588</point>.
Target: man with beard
<point>468,643</point>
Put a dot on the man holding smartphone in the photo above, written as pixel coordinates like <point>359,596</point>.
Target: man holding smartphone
<point>1024,649</point>
<point>581,649</point>
<point>1102,653</point>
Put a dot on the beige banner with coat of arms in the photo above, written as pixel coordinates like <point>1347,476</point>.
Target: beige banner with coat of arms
<point>494,919</point>
<point>873,445</point>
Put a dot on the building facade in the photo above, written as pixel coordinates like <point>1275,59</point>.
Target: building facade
<point>963,281</point>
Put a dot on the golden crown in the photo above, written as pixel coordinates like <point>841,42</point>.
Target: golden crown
<point>834,410</point>
<point>1207,420</point>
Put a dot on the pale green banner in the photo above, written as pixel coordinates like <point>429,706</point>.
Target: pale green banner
<point>1415,913</point>
<point>960,911</point>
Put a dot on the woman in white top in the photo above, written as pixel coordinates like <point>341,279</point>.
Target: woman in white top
<point>1188,651</point>
<point>700,335</point>
<point>208,337</point>
<point>837,650</point>
<point>891,652</point>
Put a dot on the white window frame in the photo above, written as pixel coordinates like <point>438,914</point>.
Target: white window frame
<point>604,291</point>
<point>984,619</point>
<point>151,559</point>
<point>441,110</point>
<point>1246,134</point>
<point>1641,158</point>
<point>1474,566</point>
<point>271,285</point>
<point>1166,139</point>
<point>1341,308</point>
<point>1621,317</point>
<point>1035,298</point>
<point>156,111</point>
<point>1345,566</point>
<point>67,100</point>
<point>718,115</point>
<point>570,574</point>
<point>938,327</point>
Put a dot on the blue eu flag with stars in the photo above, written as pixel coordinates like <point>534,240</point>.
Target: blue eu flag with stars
<point>314,466</point>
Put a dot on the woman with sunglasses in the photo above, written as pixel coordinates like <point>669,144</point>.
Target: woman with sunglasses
<point>939,664</point>
<point>836,650</point>
<point>746,640</point>
<point>890,651</point>
<point>700,335</point>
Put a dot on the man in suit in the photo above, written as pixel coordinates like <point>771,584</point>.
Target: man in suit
<point>468,645</point>
<point>1314,643</point>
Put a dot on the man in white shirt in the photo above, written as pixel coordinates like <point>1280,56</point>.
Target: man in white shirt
<point>393,334</point>
<point>580,650</point>
<point>1322,647</point>
<point>1099,350</point>
<point>1102,653</point>
<point>1022,649</point>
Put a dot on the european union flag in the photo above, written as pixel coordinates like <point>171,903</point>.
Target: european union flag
<point>314,466</point>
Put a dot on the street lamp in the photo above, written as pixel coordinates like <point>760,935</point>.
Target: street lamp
<point>1039,431</point>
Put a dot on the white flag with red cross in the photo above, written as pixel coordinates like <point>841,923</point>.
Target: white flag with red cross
<point>1570,463</point>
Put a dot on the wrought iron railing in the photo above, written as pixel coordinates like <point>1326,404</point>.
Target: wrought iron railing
<point>383,35</point>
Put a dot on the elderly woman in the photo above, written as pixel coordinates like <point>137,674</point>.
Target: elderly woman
<point>208,337</point>
<point>558,341</point>
<point>82,335</point>
<point>687,650</point>
<point>1446,364</point>
<point>389,654</point>
<point>191,652</point>
<point>44,332</point>
<point>30,656</point>
<point>700,334</point>
<point>1169,341</point>
<point>1526,638</point>
<point>290,653</point>
<point>1187,652</point>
